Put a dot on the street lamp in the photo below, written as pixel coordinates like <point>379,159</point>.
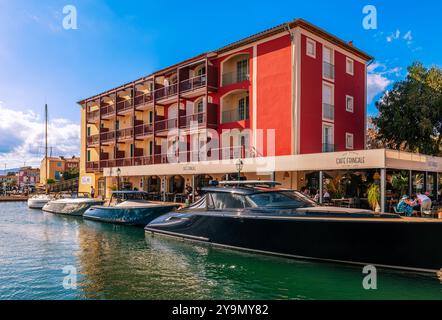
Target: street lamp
<point>239,166</point>
<point>118,179</point>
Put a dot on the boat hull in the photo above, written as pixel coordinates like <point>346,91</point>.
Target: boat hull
<point>37,203</point>
<point>137,216</point>
<point>393,243</point>
<point>70,209</point>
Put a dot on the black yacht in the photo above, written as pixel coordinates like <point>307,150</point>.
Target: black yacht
<point>256,216</point>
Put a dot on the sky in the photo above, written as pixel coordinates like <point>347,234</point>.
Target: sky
<point>119,41</point>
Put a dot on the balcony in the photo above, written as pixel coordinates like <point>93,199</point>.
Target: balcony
<point>328,71</point>
<point>142,101</point>
<point>108,111</point>
<point>125,134</point>
<point>193,84</point>
<point>328,112</point>
<point>234,115</point>
<point>143,130</point>
<point>165,125</point>
<point>93,116</point>
<point>234,77</point>
<point>166,92</point>
<point>206,119</point>
<point>92,166</point>
<point>93,140</point>
<point>327,147</point>
<point>107,137</point>
<point>125,106</point>
<point>143,161</point>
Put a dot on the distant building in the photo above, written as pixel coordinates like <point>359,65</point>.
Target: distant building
<point>56,166</point>
<point>28,176</point>
<point>8,181</point>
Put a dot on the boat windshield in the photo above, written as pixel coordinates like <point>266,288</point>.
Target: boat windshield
<point>280,199</point>
<point>124,196</point>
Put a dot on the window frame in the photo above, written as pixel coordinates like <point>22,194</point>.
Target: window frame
<point>332,127</point>
<point>332,98</point>
<point>313,43</point>
<point>347,97</point>
<point>347,60</point>
<point>347,146</point>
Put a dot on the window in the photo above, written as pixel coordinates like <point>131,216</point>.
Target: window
<point>349,103</point>
<point>243,108</point>
<point>242,70</point>
<point>88,131</point>
<point>349,66</point>
<point>117,125</point>
<point>224,200</point>
<point>327,138</point>
<point>311,48</point>
<point>328,71</point>
<point>328,109</point>
<point>58,164</point>
<point>349,140</point>
<point>89,155</point>
<point>150,117</point>
<point>278,199</point>
<point>150,147</point>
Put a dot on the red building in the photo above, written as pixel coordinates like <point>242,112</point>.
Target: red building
<point>296,79</point>
<point>28,176</point>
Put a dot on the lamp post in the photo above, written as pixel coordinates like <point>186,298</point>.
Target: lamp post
<point>239,166</point>
<point>118,179</point>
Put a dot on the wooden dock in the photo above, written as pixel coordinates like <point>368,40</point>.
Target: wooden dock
<point>13,198</point>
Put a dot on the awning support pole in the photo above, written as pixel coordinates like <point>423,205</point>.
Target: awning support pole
<point>383,189</point>
<point>321,180</point>
<point>410,183</point>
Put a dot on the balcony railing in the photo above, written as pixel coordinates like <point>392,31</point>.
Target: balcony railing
<point>328,71</point>
<point>168,124</point>
<point>328,112</point>
<point>93,116</point>
<point>166,92</point>
<point>143,130</point>
<point>107,136</point>
<point>108,110</point>
<point>125,133</point>
<point>327,147</point>
<point>193,83</point>
<point>92,166</point>
<point>124,105</point>
<point>143,99</point>
<point>93,140</point>
<point>234,115</point>
<point>235,77</point>
<point>143,161</point>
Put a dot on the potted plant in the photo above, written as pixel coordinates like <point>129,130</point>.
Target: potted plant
<point>400,182</point>
<point>373,197</point>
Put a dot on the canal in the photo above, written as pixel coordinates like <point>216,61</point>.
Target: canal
<point>117,262</point>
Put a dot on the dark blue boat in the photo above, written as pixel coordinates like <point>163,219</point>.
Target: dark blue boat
<point>129,208</point>
<point>260,218</point>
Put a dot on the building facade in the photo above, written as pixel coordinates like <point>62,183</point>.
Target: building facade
<point>291,90</point>
<point>28,177</point>
<point>56,166</point>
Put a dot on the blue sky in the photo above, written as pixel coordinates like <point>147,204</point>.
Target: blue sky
<point>119,41</point>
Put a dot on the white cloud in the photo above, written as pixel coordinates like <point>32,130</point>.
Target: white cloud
<point>408,37</point>
<point>22,137</point>
<point>377,81</point>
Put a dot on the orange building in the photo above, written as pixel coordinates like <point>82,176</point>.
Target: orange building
<point>56,167</point>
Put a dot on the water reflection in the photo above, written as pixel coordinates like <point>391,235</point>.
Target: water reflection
<point>119,262</point>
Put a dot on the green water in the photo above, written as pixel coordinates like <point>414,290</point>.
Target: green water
<point>117,262</point>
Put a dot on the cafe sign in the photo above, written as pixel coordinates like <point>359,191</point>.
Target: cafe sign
<point>350,159</point>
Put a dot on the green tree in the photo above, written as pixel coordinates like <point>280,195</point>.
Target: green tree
<point>410,115</point>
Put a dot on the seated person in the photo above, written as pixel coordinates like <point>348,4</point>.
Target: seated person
<point>405,206</point>
<point>424,202</point>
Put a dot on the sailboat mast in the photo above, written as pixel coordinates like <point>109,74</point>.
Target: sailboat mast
<point>46,147</point>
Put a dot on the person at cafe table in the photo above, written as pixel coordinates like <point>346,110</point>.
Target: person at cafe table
<point>406,206</point>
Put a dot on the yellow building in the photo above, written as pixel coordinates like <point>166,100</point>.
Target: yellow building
<point>56,167</point>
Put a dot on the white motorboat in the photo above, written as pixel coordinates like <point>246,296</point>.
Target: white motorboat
<point>39,201</point>
<point>71,207</point>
